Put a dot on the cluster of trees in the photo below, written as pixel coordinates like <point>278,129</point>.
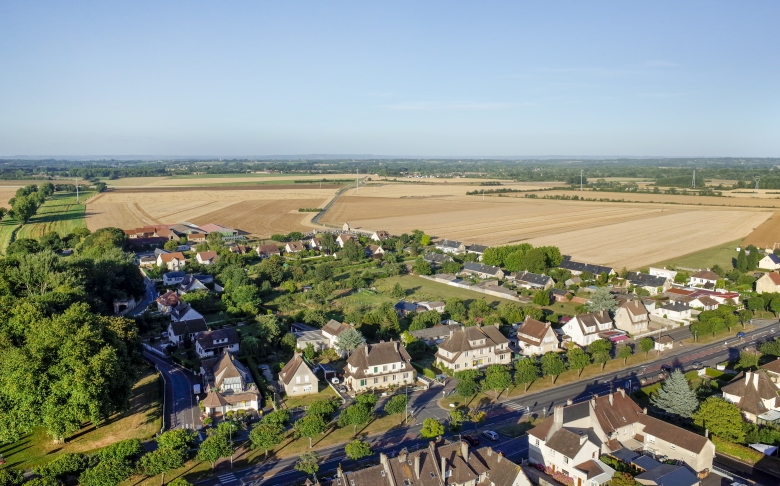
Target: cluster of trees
<point>494,378</point>
<point>27,200</point>
<point>523,257</point>
<point>722,318</point>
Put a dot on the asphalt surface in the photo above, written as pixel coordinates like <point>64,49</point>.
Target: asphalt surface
<point>181,405</point>
<point>149,296</point>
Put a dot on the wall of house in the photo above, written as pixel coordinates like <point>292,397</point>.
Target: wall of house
<point>623,322</point>
<point>304,382</point>
<point>383,380</point>
<point>697,461</point>
<point>765,284</point>
<point>489,355</point>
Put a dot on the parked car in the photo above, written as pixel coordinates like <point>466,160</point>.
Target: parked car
<point>490,434</point>
<point>473,441</point>
<point>335,381</point>
<point>741,335</point>
<point>697,365</point>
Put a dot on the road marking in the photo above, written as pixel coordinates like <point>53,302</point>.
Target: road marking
<point>227,478</point>
<point>514,405</point>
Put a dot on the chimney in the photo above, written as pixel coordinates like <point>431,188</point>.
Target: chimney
<point>339,472</point>
<point>495,325</point>
<point>558,416</point>
<point>383,460</point>
<point>706,433</point>
<point>622,392</point>
<point>443,467</point>
<point>593,402</point>
<point>490,452</point>
<point>417,466</point>
<point>569,402</point>
<point>365,346</point>
<point>610,399</point>
<point>402,455</point>
<point>747,377</point>
<point>500,456</point>
<point>755,380</point>
<point>644,410</point>
<point>396,346</point>
<point>464,450</point>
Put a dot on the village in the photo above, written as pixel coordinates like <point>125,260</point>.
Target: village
<point>613,311</point>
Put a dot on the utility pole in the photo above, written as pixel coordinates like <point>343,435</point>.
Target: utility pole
<point>693,184</point>
<point>357,182</point>
<point>77,190</point>
<point>580,179</point>
<point>757,180</point>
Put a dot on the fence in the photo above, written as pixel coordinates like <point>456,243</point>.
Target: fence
<point>154,350</point>
<point>474,288</point>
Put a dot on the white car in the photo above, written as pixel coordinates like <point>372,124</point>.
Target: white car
<point>490,434</point>
<point>335,381</point>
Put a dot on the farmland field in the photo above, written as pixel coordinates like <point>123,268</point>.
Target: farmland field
<point>619,234</point>
<point>766,235</point>
<point>717,255</point>
<point>59,213</point>
<point>6,193</point>
<point>7,227</point>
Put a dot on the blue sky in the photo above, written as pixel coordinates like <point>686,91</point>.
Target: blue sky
<point>395,78</point>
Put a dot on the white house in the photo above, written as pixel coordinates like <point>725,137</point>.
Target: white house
<point>676,311</point>
<point>450,246</point>
<point>230,386</point>
<point>380,236</point>
<point>206,257</point>
<point>173,278</point>
<point>172,261</point>
<point>770,262</point>
<point>184,312</point>
<point>343,238</point>
<point>755,394</point>
<point>704,278</point>
<point>180,331</point>
<point>585,328</point>
<point>662,272</point>
<point>536,338</point>
<point>294,247</point>
<point>214,343</point>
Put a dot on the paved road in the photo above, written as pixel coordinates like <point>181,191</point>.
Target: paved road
<point>149,296</point>
<point>180,403</point>
<point>423,405</point>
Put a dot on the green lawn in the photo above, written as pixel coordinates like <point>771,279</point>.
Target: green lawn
<point>141,421</point>
<point>59,213</point>
<point>720,255</point>
<point>325,393</point>
<point>417,289</point>
<point>7,227</point>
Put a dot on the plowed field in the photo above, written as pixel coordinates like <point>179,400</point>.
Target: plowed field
<point>766,235</point>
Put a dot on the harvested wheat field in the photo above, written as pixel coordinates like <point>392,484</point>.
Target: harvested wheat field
<point>6,193</point>
<point>773,202</point>
<point>767,235</point>
<point>618,234</point>
<point>257,211</point>
<point>206,180</point>
<point>418,190</point>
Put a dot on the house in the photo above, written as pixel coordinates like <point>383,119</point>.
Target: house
<point>314,243</point>
<point>667,475</point>
<point>664,343</point>
<point>773,368</point>
<point>191,284</point>
<point>230,385</point>
<point>536,338</point>
<point>404,308</point>
<point>297,378</point>
<point>702,302</point>
<point>573,281</point>
<point>433,336</point>
<point>380,365</point>
<point>264,251</point>
<point>676,311</point>
<point>294,247</point>
<point>652,283</point>
<point>528,280</point>
<point>609,424</point>
<point>167,301</point>
<point>436,260</point>
<point>343,238</point>
<point>577,268</point>
<point>632,316</point>
<point>206,257</point>
<point>314,337</point>
<point>434,305</point>
<point>180,331</point>
<point>173,278</point>
<point>755,394</point>
<point>214,343</point>
<point>770,262</point>
<point>197,237</point>
<point>450,246</point>
<point>768,282</point>
<point>147,261</point>
<point>375,250</point>
<point>583,329</point>
<point>184,312</point>
<point>239,249</point>
<point>173,260</point>
<point>477,249</point>
<point>482,271</point>
<point>437,464</point>
<point>473,347</point>
<point>331,331</point>
<point>227,233</point>
<point>704,278</point>
<point>560,295</point>
<point>380,236</point>
<point>662,272</point>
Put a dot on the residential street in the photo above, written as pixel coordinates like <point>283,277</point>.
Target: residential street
<point>181,406</point>
<point>149,296</point>
<point>424,405</point>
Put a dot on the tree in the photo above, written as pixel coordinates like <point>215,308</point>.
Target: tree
<point>352,251</point>
<point>171,245</point>
<point>398,292</point>
<point>266,435</point>
<point>161,461</point>
<point>357,449</point>
<point>622,479</point>
<point>526,372</point>
<point>748,360</point>
<point>646,344</point>
<point>456,309</point>
<point>354,415</point>
<point>310,426</point>
<point>774,306</point>
<point>675,397</point>
<point>624,352</point>
<point>421,267</point>
<point>722,418</point>
<point>755,303</point>
<point>771,348</point>
<point>600,351</point>
<point>349,340</point>
<point>11,477</point>
<point>179,482</point>
<point>279,417</point>
<point>307,462</point>
<point>542,298</point>
<point>24,208</point>
<point>497,378</point>
<point>322,408</point>
<point>578,359</point>
<point>176,439</point>
<point>552,365</point>
<point>214,448</point>
<point>396,405</point>
<point>601,300</point>
<point>106,473</point>
<point>431,428</point>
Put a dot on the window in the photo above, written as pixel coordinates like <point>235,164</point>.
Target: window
<point>384,379</point>
<point>295,389</point>
<point>457,366</point>
<point>307,388</point>
<point>406,375</point>
<point>502,356</point>
<point>384,368</point>
<point>376,369</point>
<point>672,446</point>
<point>537,441</point>
<point>297,379</point>
<point>565,460</point>
<point>395,377</point>
<point>306,378</point>
<point>376,380</point>
<point>650,439</point>
<point>467,353</point>
<point>393,365</point>
<point>362,382</point>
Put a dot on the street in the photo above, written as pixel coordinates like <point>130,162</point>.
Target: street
<point>504,412</point>
<point>149,296</point>
<point>181,406</point>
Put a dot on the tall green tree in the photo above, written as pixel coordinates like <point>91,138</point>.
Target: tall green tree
<point>266,436</point>
<point>646,344</point>
<point>552,365</point>
<point>307,462</point>
<point>214,448</point>
<point>497,378</point>
<point>601,300</point>
<point>310,426</point>
<point>721,418</point>
<point>357,450</point>
<point>578,359</point>
<point>431,428</point>
<point>396,405</point>
<point>349,340</point>
<point>162,460</point>
<point>624,352</point>
<point>526,372</point>
<point>748,360</point>
<point>354,415</point>
<point>675,396</point>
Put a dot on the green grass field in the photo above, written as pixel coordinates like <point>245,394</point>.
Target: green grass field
<point>7,227</point>
<point>141,421</point>
<point>59,213</point>
<point>417,289</point>
<point>720,255</point>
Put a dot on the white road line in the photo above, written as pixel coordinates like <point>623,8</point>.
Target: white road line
<point>227,478</point>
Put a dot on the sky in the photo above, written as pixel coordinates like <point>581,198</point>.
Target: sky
<point>433,78</point>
